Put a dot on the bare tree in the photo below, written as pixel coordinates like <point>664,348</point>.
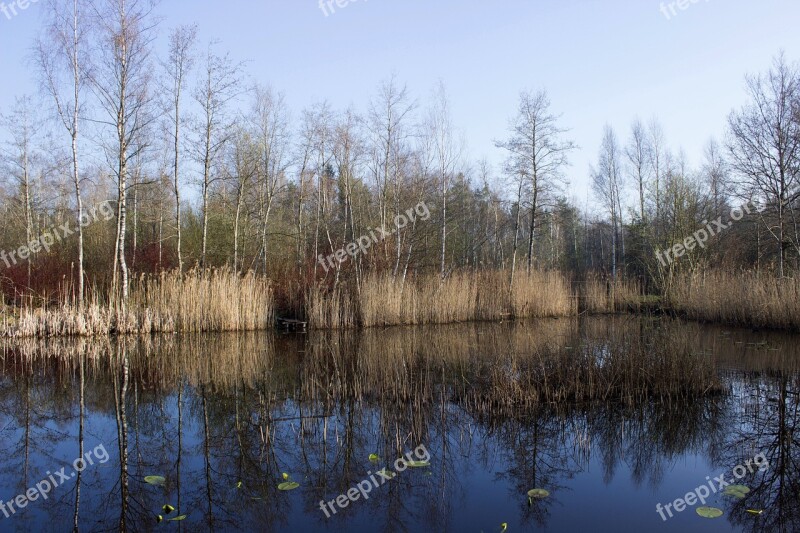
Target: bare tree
<point>764,146</point>
<point>120,78</point>
<point>218,86</point>
<point>63,52</point>
<point>241,170</point>
<point>639,155</point>
<point>21,154</point>
<point>658,162</point>
<point>388,121</point>
<point>447,155</point>
<point>606,182</point>
<point>177,67</point>
<point>270,124</point>
<point>715,173</point>
<point>537,153</point>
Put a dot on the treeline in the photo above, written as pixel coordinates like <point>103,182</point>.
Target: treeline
<point>206,169</point>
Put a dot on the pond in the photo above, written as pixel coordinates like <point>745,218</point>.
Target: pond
<point>621,423</point>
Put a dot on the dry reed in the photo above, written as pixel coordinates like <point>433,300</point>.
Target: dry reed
<point>461,297</point>
<point>199,301</point>
<point>741,299</point>
<point>599,295</point>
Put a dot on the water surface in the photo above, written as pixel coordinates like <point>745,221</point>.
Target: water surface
<point>611,416</point>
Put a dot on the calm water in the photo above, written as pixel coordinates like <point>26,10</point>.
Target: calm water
<point>221,418</point>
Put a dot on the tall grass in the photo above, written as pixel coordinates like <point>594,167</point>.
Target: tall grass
<point>199,301</point>
<point>599,295</point>
<point>739,299</point>
<point>461,297</point>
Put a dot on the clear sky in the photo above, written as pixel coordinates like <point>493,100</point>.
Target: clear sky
<point>600,60</point>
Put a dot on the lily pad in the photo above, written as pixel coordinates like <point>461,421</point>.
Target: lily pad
<point>709,512</point>
<point>538,493</point>
<point>285,476</point>
<point>736,491</point>
<point>418,464</point>
<point>373,458</point>
<point>167,509</point>
<point>155,480</point>
<point>288,485</point>
<point>755,511</point>
<point>177,518</point>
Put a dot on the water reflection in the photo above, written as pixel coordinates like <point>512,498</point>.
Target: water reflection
<point>580,408</point>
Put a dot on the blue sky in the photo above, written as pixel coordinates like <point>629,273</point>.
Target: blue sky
<point>600,60</point>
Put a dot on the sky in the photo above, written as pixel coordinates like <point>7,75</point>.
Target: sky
<point>601,61</point>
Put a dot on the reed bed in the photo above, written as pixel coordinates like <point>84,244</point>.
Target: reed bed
<point>200,301</point>
<point>600,295</point>
<point>738,299</point>
<point>461,297</point>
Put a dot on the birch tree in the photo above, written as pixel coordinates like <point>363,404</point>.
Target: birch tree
<point>537,153</point>
<point>63,53</point>
<point>178,66</point>
<point>120,79</point>
<point>219,84</point>
<point>606,182</point>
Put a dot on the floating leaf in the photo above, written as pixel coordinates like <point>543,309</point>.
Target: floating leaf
<point>159,518</point>
<point>178,518</point>
<point>167,509</point>
<point>709,512</point>
<point>755,511</point>
<point>285,476</point>
<point>503,527</point>
<point>373,458</point>
<point>155,480</point>
<point>418,464</point>
<point>239,485</point>
<point>288,485</point>
<point>538,494</point>
<point>736,491</point>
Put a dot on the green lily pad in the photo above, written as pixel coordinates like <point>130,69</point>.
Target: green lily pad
<point>373,458</point>
<point>538,493</point>
<point>418,464</point>
<point>288,485</point>
<point>736,491</point>
<point>155,480</point>
<point>177,518</point>
<point>709,512</point>
<point>167,509</point>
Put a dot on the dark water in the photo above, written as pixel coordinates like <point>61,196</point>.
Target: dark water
<point>222,417</point>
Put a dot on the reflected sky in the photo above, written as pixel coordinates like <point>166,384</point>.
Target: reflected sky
<point>660,405</point>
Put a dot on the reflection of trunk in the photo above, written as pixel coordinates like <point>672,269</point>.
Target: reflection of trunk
<point>122,435</point>
<point>207,458</point>
<point>180,444</point>
<point>80,438</point>
<point>27,428</point>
